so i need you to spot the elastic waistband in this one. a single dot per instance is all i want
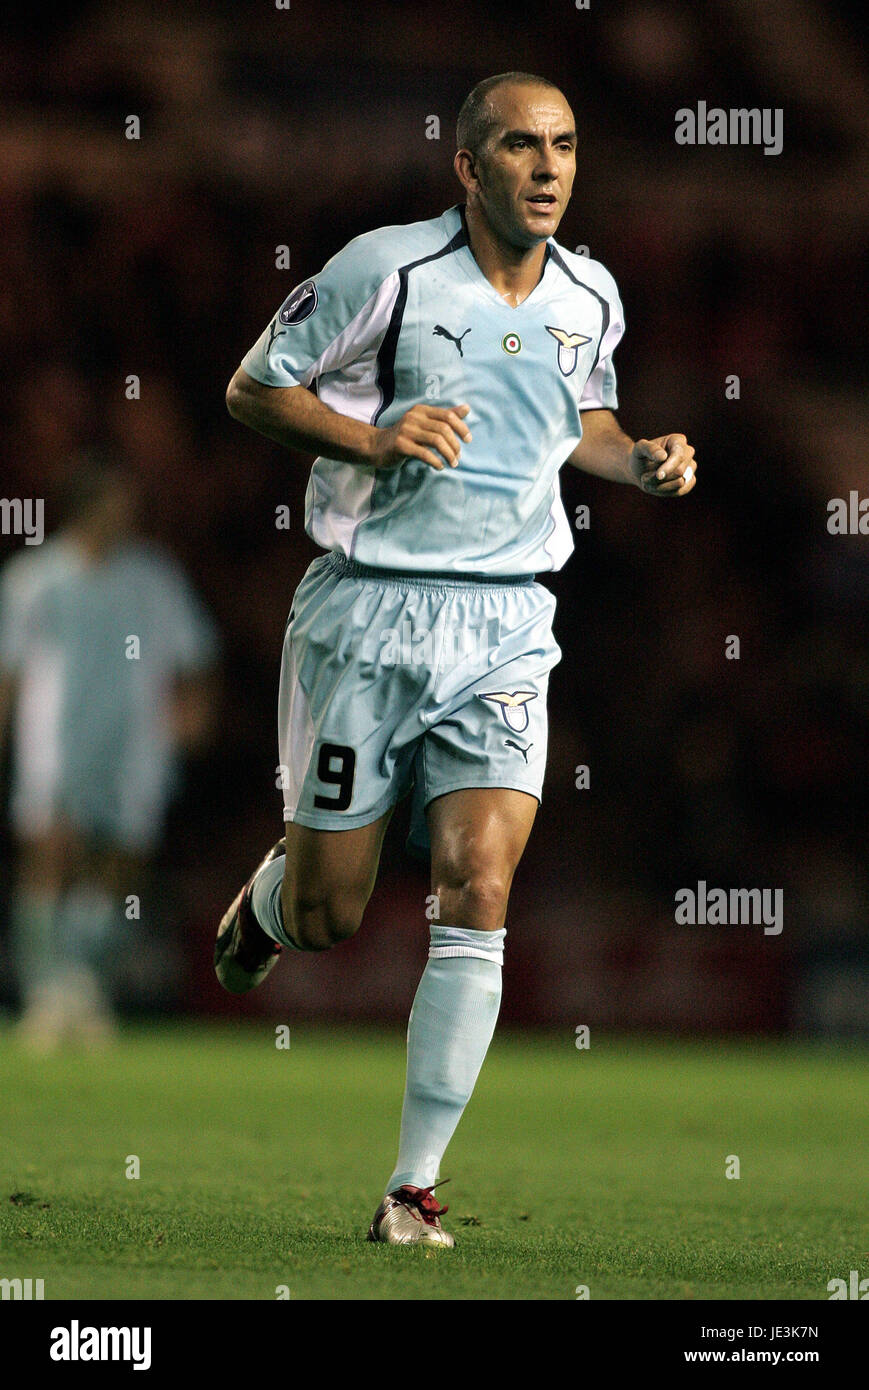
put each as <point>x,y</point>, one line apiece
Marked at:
<point>423,579</point>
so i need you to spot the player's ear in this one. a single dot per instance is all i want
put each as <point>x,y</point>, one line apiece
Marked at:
<point>466,169</point>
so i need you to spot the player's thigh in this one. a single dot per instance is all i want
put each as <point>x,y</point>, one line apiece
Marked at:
<point>324,866</point>
<point>478,836</point>
<point>350,712</point>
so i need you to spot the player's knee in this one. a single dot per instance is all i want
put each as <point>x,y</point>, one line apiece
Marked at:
<point>475,897</point>
<point>316,921</point>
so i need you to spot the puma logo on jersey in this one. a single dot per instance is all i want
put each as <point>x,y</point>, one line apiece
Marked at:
<point>568,348</point>
<point>508,743</point>
<point>440,332</point>
<point>513,706</point>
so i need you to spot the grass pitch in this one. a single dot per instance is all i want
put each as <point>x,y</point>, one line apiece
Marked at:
<point>261,1168</point>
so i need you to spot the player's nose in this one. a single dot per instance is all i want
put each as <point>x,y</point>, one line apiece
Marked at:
<point>546,166</point>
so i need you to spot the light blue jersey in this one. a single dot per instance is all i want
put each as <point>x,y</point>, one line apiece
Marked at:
<point>91,736</point>
<point>404,315</point>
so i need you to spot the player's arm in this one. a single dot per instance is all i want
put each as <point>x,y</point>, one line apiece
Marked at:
<point>664,467</point>
<point>328,323</point>
<point>193,710</point>
<point>295,417</point>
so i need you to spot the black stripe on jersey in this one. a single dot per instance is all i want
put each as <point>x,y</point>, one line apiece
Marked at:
<point>386,355</point>
<point>604,304</point>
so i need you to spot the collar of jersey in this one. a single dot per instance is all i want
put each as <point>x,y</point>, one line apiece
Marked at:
<point>469,265</point>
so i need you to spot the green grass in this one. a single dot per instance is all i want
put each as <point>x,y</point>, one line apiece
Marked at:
<point>262,1167</point>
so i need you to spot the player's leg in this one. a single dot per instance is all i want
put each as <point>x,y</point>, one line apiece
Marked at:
<point>46,863</point>
<point>43,871</point>
<point>312,894</point>
<point>346,746</point>
<point>479,775</point>
<point>477,837</point>
<point>328,879</point>
<point>308,893</point>
<point>92,929</point>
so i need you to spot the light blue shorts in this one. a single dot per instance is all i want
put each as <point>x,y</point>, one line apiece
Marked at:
<point>392,683</point>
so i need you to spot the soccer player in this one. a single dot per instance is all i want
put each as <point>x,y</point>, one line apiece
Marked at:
<point>106,667</point>
<point>443,371</point>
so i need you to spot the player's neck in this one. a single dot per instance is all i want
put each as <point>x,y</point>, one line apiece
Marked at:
<point>513,271</point>
<point>94,546</point>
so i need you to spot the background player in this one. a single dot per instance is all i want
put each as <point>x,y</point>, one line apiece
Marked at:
<point>97,723</point>
<point>436,518</point>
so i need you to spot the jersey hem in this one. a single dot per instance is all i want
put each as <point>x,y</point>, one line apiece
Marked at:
<point>325,820</point>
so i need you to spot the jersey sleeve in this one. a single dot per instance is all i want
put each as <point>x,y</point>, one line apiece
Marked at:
<point>330,320</point>
<point>600,391</point>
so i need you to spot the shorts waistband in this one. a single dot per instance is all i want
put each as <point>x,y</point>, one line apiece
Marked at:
<point>424,579</point>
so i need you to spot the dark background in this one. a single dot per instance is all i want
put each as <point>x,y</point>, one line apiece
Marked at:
<point>305,127</point>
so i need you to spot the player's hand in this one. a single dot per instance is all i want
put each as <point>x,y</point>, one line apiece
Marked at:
<point>664,467</point>
<point>428,432</point>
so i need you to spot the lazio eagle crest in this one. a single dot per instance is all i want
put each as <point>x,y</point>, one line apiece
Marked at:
<point>513,707</point>
<point>568,348</point>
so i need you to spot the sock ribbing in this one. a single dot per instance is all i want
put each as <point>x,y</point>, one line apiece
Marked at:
<point>447,942</point>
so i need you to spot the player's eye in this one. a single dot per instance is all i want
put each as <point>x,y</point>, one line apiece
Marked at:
<point>517,144</point>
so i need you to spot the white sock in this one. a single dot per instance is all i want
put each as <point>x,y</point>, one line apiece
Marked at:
<point>451,1025</point>
<point>265,901</point>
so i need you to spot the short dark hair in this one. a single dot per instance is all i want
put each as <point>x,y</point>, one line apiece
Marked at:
<point>477,120</point>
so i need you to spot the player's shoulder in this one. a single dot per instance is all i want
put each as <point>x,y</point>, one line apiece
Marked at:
<point>376,254</point>
<point>32,570</point>
<point>147,562</point>
<point>584,270</point>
